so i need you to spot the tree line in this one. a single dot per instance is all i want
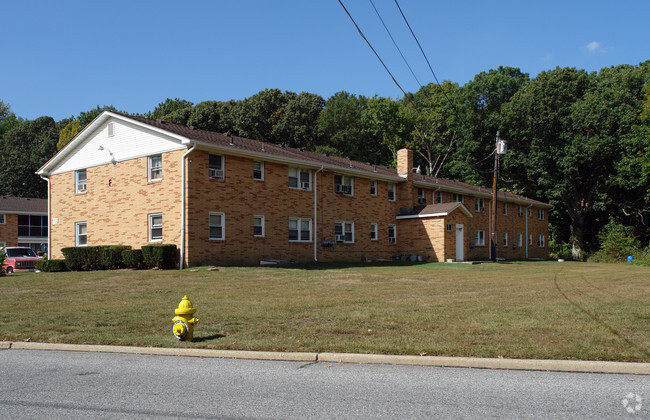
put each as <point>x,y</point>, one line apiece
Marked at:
<point>578,140</point>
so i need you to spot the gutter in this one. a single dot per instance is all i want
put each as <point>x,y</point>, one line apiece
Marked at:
<point>316,215</point>
<point>49,221</point>
<point>182,244</point>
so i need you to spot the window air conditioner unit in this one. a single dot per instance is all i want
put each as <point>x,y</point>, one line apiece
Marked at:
<point>304,185</point>
<point>216,173</point>
<point>82,187</point>
<point>339,238</point>
<point>342,189</point>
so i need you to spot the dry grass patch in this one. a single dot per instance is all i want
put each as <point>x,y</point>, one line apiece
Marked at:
<point>518,310</point>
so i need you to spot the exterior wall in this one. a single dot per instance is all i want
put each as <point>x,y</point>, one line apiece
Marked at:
<point>9,230</point>
<point>116,205</point>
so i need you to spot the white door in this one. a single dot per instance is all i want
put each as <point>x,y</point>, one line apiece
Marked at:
<point>460,244</point>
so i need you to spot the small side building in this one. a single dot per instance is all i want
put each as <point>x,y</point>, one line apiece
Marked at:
<point>23,222</point>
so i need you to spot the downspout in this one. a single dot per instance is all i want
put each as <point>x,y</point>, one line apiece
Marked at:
<point>316,215</point>
<point>526,238</point>
<point>182,247</point>
<point>49,219</point>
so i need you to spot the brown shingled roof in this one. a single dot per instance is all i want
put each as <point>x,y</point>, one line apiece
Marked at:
<point>23,205</point>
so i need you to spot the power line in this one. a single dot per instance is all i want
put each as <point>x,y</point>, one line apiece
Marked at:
<point>395,43</point>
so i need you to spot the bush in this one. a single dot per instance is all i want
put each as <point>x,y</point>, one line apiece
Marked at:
<point>163,256</point>
<point>3,257</point>
<point>112,256</point>
<point>557,250</point>
<point>84,258</point>
<point>132,258</point>
<point>51,266</point>
<point>616,243</point>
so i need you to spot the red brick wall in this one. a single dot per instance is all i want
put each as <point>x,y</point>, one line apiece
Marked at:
<point>9,230</point>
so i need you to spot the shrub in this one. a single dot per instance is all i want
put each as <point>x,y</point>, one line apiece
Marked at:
<point>616,243</point>
<point>3,257</point>
<point>84,258</point>
<point>51,265</point>
<point>112,256</point>
<point>132,258</point>
<point>163,256</point>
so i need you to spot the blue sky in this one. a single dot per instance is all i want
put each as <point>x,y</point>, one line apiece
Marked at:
<point>63,57</point>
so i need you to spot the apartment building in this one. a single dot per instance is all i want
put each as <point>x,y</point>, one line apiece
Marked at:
<point>230,200</point>
<point>23,222</point>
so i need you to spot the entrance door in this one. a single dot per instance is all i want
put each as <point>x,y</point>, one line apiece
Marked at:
<point>460,243</point>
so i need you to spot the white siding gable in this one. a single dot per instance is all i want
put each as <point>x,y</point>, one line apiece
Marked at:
<point>129,141</point>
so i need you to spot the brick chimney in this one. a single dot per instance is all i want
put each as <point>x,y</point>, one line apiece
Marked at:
<point>405,164</point>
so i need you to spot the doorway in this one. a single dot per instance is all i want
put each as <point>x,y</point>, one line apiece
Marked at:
<point>459,243</point>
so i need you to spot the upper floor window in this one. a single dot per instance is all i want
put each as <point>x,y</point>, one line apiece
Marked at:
<point>344,232</point>
<point>438,197</point>
<point>540,214</point>
<point>392,234</point>
<point>258,226</point>
<point>155,167</point>
<point>373,231</point>
<point>155,227</point>
<point>32,226</point>
<point>343,184</point>
<point>422,200</point>
<point>373,187</point>
<point>391,192</point>
<point>80,181</point>
<point>258,170</point>
<point>530,211</point>
<point>520,211</point>
<point>299,229</point>
<point>81,234</point>
<point>299,178</point>
<point>479,238</point>
<point>215,169</point>
<point>2,219</point>
<point>505,208</point>
<point>479,204</point>
<point>216,226</point>
<point>530,239</point>
<point>458,198</point>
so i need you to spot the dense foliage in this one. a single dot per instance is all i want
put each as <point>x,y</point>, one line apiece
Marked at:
<point>578,140</point>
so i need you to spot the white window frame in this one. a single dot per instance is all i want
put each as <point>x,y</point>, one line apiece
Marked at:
<point>111,129</point>
<point>505,208</point>
<point>216,171</point>
<point>479,204</point>
<point>373,231</point>
<point>422,198</point>
<point>540,214</point>
<point>81,187</point>
<point>221,224</point>
<point>439,198</point>
<point>3,219</point>
<point>391,189</point>
<point>301,184</point>
<point>520,211</point>
<point>479,238</point>
<point>530,211</point>
<point>520,242</point>
<point>343,184</point>
<point>505,238</point>
<point>392,239</point>
<point>259,217</point>
<point>541,241</point>
<point>300,221</point>
<point>450,227</point>
<point>151,227</point>
<point>78,235</point>
<point>373,187</point>
<point>530,239</point>
<point>346,234</point>
<point>456,196</point>
<point>151,170</point>
<point>260,170</point>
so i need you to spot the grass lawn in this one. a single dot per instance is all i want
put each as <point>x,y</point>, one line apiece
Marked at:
<point>544,310</point>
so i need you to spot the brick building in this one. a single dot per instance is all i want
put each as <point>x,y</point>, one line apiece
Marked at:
<point>23,222</point>
<point>230,200</point>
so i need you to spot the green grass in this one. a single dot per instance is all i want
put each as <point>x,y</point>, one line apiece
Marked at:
<point>517,310</point>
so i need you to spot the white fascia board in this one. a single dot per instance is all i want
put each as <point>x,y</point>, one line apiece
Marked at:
<point>291,161</point>
<point>422,216</point>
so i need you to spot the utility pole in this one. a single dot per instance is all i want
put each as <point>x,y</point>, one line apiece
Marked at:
<point>501,148</point>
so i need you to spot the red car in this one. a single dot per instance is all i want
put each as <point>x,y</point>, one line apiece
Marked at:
<point>19,258</point>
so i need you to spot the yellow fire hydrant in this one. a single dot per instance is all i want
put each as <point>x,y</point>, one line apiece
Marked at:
<point>183,327</point>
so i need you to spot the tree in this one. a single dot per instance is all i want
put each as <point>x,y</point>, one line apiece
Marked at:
<point>387,120</point>
<point>8,119</point>
<point>298,121</point>
<point>23,150</point>
<point>68,133</point>
<point>167,107</point>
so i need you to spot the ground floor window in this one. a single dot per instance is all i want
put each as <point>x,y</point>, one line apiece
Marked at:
<point>217,222</point>
<point>258,226</point>
<point>505,238</point>
<point>520,242</point>
<point>344,232</point>
<point>541,241</point>
<point>299,229</point>
<point>373,231</point>
<point>479,238</point>
<point>155,227</point>
<point>392,234</point>
<point>81,234</point>
<point>35,246</point>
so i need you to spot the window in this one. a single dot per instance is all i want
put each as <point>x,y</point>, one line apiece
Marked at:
<point>258,170</point>
<point>373,231</point>
<point>450,227</point>
<point>344,232</point>
<point>373,187</point>
<point>81,234</point>
<point>155,227</point>
<point>3,244</point>
<point>155,167</point>
<point>32,226</point>
<point>299,229</point>
<point>343,184</point>
<point>439,194</point>
<point>217,226</point>
<point>479,238</point>
<point>3,220</point>
<point>215,167</point>
<point>479,204</point>
<point>458,198</point>
<point>111,129</point>
<point>392,234</point>
<point>520,241</point>
<point>391,192</point>
<point>530,211</point>
<point>540,214</point>
<point>505,208</point>
<point>258,226</point>
<point>299,178</point>
<point>80,182</point>
<point>422,200</point>
<point>541,241</point>
<point>520,211</point>
<point>505,238</point>
<point>530,239</point>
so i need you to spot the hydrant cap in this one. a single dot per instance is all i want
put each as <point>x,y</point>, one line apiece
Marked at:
<point>185,307</point>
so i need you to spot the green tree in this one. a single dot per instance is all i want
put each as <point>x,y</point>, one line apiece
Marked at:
<point>387,120</point>
<point>167,107</point>
<point>68,133</point>
<point>298,121</point>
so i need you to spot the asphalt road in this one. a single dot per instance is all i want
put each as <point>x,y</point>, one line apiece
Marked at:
<point>75,385</point>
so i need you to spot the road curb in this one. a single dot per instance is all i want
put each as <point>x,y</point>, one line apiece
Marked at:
<point>585,366</point>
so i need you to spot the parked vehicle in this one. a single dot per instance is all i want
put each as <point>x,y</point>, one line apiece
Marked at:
<point>19,258</point>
